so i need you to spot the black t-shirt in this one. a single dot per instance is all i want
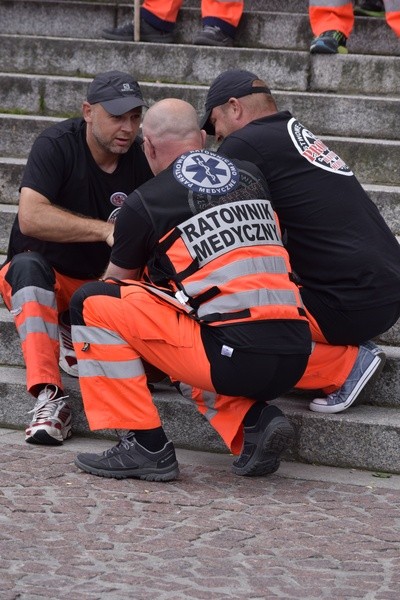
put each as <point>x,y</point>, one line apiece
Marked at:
<point>339,245</point>
<point>137,232</point>
<point>60,166</point>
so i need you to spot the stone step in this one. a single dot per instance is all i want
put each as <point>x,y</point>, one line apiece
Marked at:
<point>387,198</point>
<point>283,69</point>
<point>385,393</point>
<point>18,132</point>
<point>342,114</point>
<point>263,25</point>
<point>364,437</point>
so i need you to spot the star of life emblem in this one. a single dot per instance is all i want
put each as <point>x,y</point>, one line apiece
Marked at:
<point>205,172</point>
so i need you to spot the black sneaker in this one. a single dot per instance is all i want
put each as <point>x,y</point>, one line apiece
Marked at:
<point>329,42</point>
<point>370,8</point>
<point>148,33</point>
<point>129,459</point>
<point>264,444</point>
<point>212,36</point>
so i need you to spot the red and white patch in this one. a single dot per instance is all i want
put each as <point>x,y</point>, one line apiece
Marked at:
<point>315,151</point>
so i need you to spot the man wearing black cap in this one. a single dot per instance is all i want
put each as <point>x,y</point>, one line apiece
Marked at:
<point>345,257</point>
<point>78,174</point>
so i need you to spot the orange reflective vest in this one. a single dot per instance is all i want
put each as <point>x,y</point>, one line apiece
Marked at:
<point>227,264</point>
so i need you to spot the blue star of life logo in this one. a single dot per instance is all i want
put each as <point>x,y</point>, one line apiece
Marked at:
<point>206,172</point>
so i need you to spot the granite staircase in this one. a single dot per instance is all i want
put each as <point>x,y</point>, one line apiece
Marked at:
<point>50,50</point>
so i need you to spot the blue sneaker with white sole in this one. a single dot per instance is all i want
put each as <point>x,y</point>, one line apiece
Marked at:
<point>368,366</point>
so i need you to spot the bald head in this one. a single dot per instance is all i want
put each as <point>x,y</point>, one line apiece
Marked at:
<point>170,128</point>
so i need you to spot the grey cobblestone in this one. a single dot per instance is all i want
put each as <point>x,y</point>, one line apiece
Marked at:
<point>306,532</point>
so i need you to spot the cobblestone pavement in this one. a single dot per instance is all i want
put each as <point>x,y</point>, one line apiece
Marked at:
<point>306,532</point>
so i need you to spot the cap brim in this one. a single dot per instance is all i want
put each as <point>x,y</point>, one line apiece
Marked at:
<point>205,123</point>
<point>119,106</point>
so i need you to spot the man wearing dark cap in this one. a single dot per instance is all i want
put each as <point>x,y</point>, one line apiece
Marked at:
<point>77,176</point>
<point>344,255</point>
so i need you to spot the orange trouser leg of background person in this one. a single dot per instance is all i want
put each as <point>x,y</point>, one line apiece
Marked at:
<point>230,12</point>
<point>113,334</point>
<point>35,295</point>
<point>167,10</point>
<point>392,13</point>
<point>331,15</point>
<point>328,366</point>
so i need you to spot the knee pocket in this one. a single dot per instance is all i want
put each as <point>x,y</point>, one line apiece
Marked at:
<point>30,269</point>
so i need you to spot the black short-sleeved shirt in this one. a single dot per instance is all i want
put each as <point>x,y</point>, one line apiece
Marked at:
<point>61,168</point>
<point>138,231</point>
<point>339,245</point>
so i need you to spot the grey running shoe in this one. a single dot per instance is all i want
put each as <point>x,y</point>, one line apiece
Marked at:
<point>129,459</point>
<point>264,443</point>
<point>51,422</point>
<point>148,33</point>
<point>67,360</point>
<point>212,36</point>
<point>329,42</point>
<point>369,364</point>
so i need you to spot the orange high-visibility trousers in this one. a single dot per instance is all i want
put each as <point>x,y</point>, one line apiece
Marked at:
<point>35,308</point>
<point>118,332</point>
<point>167,10</point>
<point>339,15</point>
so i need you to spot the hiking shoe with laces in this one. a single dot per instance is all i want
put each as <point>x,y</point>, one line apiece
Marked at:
<point>129,459</point>
<point>148,33</point>
<point>370,8</point>
<point>329,42</point>
<point>212,36</point>
<point>51,422</point>
<point>264,443</point>
<point>67,360</point>
<point>369,364</point>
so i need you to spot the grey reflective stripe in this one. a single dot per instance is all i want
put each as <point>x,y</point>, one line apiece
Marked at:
<point>329,3</point>
<point>95,335</point>
<point>392,5</point>
<point>118,369</point>
<point>122,369</point>
<point>33,294</point>
<point>248,299</point>
<point>209,399</point>
<point>239,268</point>
<point>228,1</point>
<point>37,325</point>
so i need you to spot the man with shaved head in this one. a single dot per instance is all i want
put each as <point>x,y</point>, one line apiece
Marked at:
<point>198,285</point>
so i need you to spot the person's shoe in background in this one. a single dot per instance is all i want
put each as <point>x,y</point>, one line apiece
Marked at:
<point>370,8</point>
<point>148,33</point>
<point>212,35</point>
<point>329,42</point>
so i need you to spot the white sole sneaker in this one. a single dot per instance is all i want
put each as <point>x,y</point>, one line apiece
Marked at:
<point>375,368</point>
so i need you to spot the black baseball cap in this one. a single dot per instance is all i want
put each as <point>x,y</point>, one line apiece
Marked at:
<point>234,83</point>
<point>117,92</point>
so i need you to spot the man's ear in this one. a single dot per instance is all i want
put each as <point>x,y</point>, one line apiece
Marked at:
<point>87,111</point>
<point>203,134</point>
<point>149,148</point>
<point>236,108</point>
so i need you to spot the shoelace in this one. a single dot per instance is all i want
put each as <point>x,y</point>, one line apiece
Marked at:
<point>42,410</point>
<point>123,441</point>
